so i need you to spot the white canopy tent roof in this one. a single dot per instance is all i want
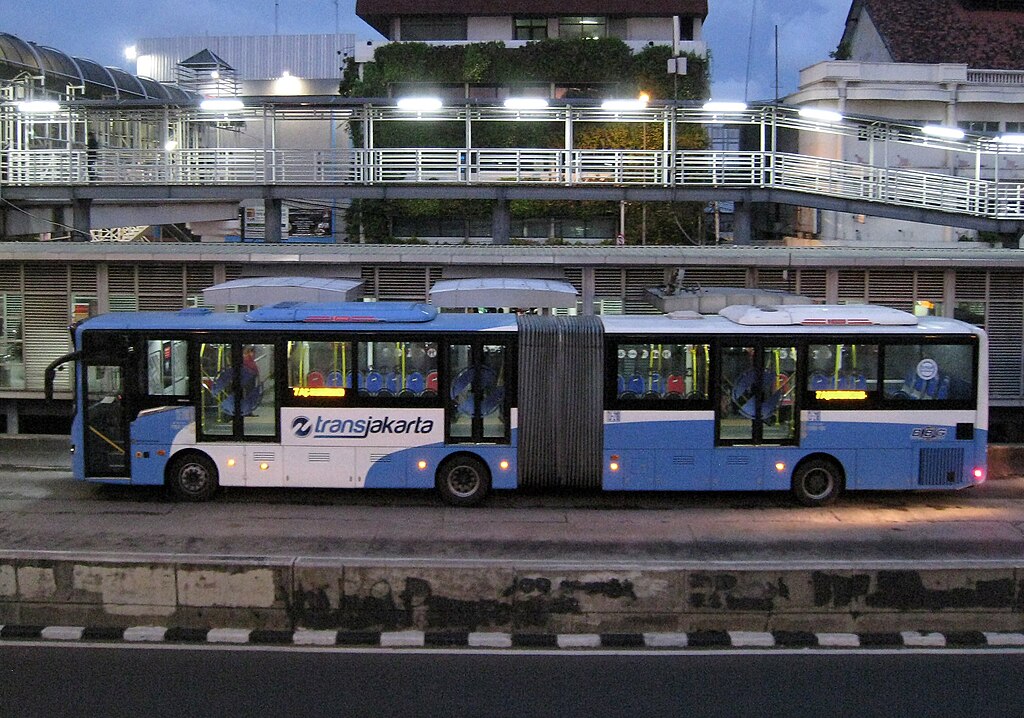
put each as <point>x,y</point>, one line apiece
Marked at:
<point>502,292</point>
<point>270,290</point>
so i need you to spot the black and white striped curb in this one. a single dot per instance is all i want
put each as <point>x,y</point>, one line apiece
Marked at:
<point>495,640</point>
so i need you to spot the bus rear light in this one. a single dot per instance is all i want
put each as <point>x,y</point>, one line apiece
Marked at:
<point>421,464</point>
<point>979,474</point>
<point>503,464</point>
<point>614,464</point>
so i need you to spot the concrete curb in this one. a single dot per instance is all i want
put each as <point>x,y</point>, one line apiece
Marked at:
<point>404,602</point>
<point>707,639</point>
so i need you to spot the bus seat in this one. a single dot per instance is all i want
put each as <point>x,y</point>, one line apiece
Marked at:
<point>432,382</point>
<point>374,382</point>
<point>657,384</point>
<point>943,390</point>
<point>675,384</point>
<point>620,385</point>
<point>820,381</point>
<point>392,383</point>
<point>636,385</point>
<point>315,378</point>
<point>415,382</point>
<point>336,378</point>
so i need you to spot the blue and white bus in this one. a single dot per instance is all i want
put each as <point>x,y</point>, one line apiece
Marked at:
<point>811,399</point>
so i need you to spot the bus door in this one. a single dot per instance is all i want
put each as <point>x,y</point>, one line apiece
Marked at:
<point>757,395</point>
<point>105,420</point>
<point>477,406</point>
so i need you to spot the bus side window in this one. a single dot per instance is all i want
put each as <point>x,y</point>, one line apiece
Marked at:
<point>671,372</point>
<point>835,370</point>
<point>397,368</point>
<point>167,367</point>
<point>929,372</point>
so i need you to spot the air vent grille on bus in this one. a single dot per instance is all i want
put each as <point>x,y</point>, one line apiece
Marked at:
<point>940,467</point>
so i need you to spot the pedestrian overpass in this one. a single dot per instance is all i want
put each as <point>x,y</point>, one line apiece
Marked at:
<point>783,155</point>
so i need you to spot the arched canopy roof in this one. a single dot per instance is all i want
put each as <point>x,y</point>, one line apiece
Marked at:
<point>18,57</point>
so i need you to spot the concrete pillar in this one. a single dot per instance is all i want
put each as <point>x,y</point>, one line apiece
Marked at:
<point>81,219</point>
<point>587,290</point>
<point>741,224</point>
<point>271,220</point>
<point>501,222</point>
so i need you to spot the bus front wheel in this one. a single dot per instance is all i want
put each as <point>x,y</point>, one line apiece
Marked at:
<point>463,481</point>
<point>192,477</point>
<point>817,482</point>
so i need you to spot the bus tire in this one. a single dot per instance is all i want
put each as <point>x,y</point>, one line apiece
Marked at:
<point>817,482</point>
<point>463,480</point>
<point>192,477</point>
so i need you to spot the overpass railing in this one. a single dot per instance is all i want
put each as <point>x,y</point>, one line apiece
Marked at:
<point>645,168</point>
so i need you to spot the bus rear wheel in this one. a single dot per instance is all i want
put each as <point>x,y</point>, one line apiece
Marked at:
<point>463,481</point>
<point>817,482</point>
<point>192,477</point>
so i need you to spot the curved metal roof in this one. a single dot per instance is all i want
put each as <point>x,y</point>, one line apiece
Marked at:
<point>18,56</point>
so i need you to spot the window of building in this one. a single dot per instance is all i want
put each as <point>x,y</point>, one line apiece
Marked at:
<point>531,28</point>
<point>582,27</point>
<point>593,228</point>
<point>978,126</point>
<point>970,312</point>
<point>426,28</point>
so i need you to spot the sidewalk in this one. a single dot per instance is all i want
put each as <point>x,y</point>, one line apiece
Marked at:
<point>35,451</point>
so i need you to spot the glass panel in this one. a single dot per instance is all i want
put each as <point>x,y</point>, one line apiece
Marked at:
<point>105,442</point>
<point>778,380</point>
<point>397,368</point>
<point>12,363</point>
<point>662,371</point>
<point>970,312</point>
<point>929,372</point>
<point>257,405</point>
<point>842,367</point>
<point>582,27</point>
<point>167,367</point>
<point>319,365</point>
<point>737,394</point>
<point>463,405</point>
<point>491,388</point>
<point>217,396</point>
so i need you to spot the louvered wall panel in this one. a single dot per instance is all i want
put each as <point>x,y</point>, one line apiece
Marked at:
<point>930,284</point>
<point>10,277</point>
<point>161,286</point>
<point>46,336</point>
<point>638,281</point>
<point>811,282</point>
<point>574,276</point>
<point>715,276</point>
<point>197,278</point>
<point>775,279</point>
<point>232,271</point>
<point>83,279</point>
<point>608,282</point>
<point>369,277</point>
<point>1005,340</point>
<point>889,288</point>
<point>971,285</point>
<point>852,284</point>
<point>409,283</point>
<point>1005,285</point>
<point>121,279</point>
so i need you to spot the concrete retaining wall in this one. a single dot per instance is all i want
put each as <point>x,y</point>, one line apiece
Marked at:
<point>289,594</point>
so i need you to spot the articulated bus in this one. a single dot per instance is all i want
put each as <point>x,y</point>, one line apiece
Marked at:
<point>810,399</point>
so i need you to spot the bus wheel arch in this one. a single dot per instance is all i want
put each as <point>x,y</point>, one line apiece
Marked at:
<point>192,476</point>
<point>818,480</point>
<point>463,479</point>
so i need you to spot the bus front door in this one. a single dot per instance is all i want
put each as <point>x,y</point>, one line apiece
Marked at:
<point>105,421</point>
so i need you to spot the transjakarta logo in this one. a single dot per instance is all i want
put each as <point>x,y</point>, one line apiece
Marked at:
<point>321,428</point>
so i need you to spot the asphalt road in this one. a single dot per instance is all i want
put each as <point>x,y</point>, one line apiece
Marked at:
<point>54,681</point>
<point>45,510</point>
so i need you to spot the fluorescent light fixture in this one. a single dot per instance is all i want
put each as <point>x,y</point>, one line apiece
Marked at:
<point>724,106</point>
<point>623,105</point>
<point>945,133</point>
<point>526,103</point>
<point>221,104</point>
<point>288,84</point>
<point>170,145</point>
<point>819,115</point>
<point>38,106</point>
<point>1011,139</point>
<point>420,104</point>
<point>131,52</point>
